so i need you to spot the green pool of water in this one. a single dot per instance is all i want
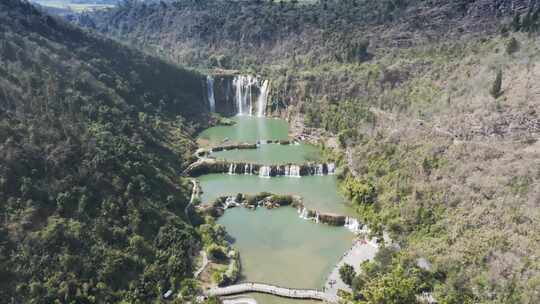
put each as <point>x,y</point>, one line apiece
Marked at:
<point>273,154</point>
<point>247,129</point>
<point>269,299</point>
<point>277,247</point>
<point>318,192</point>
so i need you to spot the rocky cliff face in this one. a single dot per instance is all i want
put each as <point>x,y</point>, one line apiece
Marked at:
<point>224,94</point>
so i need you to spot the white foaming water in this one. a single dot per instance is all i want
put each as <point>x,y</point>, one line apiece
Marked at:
<point>243,85</point>
<point>232,169</point>
<point>210,90</point>
<point>352,224</point>
<point>303,213</point>
<point>319,170</point>
<point>264,171</point>
<point>331,168</point>
<point>248,169</point>
<point>292,171</point>
<point>262,101</point>
<point>230,202</point>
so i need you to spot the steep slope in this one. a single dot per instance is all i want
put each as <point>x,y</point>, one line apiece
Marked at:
<point>437,151</point>
<point>248,33</point>
<point>92,141</point>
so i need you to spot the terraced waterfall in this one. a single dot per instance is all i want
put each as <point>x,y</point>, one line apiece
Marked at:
<point>295,247</point>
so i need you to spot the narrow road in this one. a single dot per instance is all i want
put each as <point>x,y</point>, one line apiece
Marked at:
<point>273,290</point>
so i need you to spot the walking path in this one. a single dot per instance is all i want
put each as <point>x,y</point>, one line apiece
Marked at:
<point>361,251</point>
<point>239,300</point>
<point>203,266</point>
<point>273,290</point>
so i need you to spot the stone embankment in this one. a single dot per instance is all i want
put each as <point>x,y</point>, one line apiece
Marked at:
<point>208,166</point>
<point>272,201</point>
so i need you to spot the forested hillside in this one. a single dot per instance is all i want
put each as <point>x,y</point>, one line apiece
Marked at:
<point>435,105</point>
<point>92,141</point>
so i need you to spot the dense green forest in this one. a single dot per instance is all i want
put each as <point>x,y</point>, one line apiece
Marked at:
<point>434,109</point>
<point>93,137</point>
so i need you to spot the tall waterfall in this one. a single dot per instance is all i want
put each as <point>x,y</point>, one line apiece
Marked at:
<point>210,90</point>
<point>244,86</point>
<point>263,99</point>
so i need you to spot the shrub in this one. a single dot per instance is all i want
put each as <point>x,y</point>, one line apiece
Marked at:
<point>497,85</point>
<point>347,274</point>
<point>216,253</point>
<point>512,46</point>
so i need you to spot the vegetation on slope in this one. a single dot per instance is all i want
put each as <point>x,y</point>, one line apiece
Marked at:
<point>437,117</point>
<point>92,141</point>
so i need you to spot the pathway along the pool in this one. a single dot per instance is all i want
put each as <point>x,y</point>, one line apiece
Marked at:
<point>275,246</point>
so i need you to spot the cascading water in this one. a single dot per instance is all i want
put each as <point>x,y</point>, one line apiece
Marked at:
<point>210,90</point>
<point>232,169</point>
<point>262,100</point>
<point>243,86</point>
<point>304,213</point>
<point>264,171</point>
<point>248,169</point>
<point>352,224</point>
<point>230,202</point>
<point>331,168</point>
<point>294,171</point>
<point>319,170</point>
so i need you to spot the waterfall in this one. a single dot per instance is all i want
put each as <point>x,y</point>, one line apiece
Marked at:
<point>304,213</point>
<point>210,90</point>
<point>232,169</point>
<point>352,224</point>
<point>230,202</point>
<point>331,168</point>
<point>248,169</point>
<point>263,99</point>
<point>294,171</point>
<point>243,85</point>
<point>319,170</point>
<point>264,171</point>
<point>317,217</point>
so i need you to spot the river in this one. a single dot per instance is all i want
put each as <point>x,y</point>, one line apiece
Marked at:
<point>277,246</point>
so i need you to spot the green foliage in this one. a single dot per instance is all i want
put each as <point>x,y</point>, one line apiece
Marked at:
<point>512,46</point>
<point>359,191</point>
<point>216,253</point>
<point>92,140</point>
<point>396,287</point>
<point>190,288</point>
<point>495,90</point>
<point>347,274</point>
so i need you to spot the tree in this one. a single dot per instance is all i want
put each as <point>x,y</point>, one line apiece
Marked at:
<point>396,287</point>
<point>216,253</point>
<point>512,46</point>
<point>347,274</point>
<point>497,84</point>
